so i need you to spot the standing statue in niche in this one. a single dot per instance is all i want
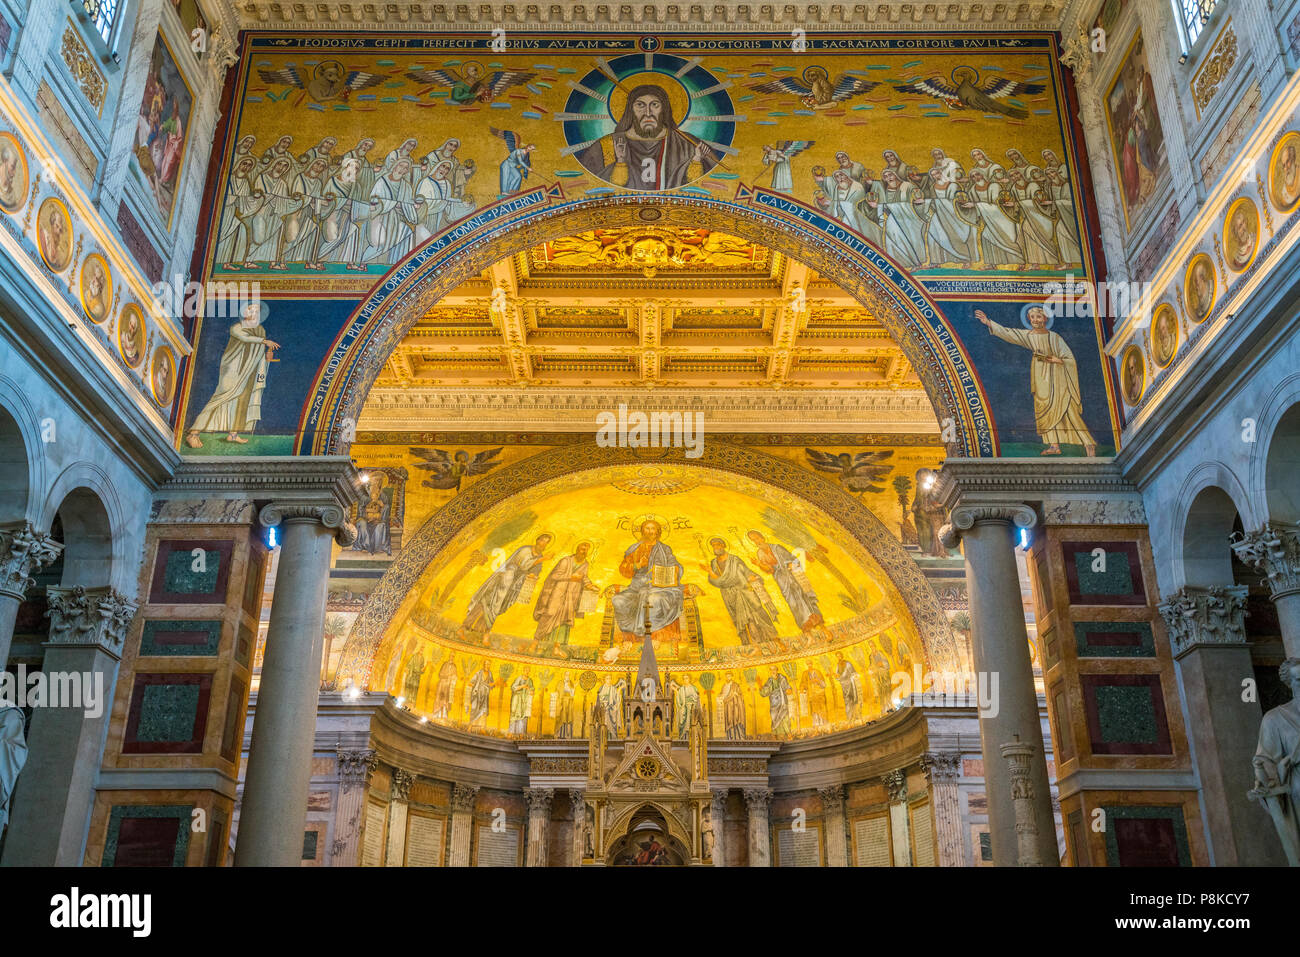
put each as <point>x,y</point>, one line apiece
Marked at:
<point>13,755</point>
<point>1277,781</point>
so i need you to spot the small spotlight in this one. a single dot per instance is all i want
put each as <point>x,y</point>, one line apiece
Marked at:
<point>1183,58</point>
<point>401,700</point>
<point>365,478</point>
<point>1023,539</point>
<point>424,719</point>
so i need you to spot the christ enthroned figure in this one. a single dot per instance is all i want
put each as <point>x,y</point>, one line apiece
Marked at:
<point>647,150</point>
<point>1053,379</point>
<point>648,562</point>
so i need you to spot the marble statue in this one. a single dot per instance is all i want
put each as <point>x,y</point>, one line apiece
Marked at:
<point>1277,784</point>
<point>13,755</point>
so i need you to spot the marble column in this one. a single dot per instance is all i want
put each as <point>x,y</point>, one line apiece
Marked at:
<point>354,770</point>
<point>399,796</point>
<point>276,785</point>
<point>23,550</point>
<point>1000,646</point>
<point>837,837</point>
<point>900,837</point>
<point>1207,634</point>
<point>55,791</point>
<point>1274,551</point>
<point>578,813</point>
<point>1018,757</point>
<point>942,769</point>
<point>718,818</point>
<point>760,836</point>
<point>462,823</point>
<point>539,825</point>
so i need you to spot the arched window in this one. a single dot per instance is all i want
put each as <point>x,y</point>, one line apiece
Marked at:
<point>1192,17</point>
<point>103,15</point>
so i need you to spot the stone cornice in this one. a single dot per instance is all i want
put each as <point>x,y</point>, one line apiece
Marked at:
<point>729,16</point>
<point>1053,485</point>
<point>324,479</point>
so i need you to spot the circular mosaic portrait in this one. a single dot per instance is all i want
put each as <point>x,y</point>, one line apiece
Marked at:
<point>1133,375</point>
<point>96,287</point>
<point>1241,234</point>
<point>1284,174</point>
<point>130,335</point>
<point>1200,288</point>
<point>13,174</point>
<point>54,234</point>
<point>162,375</point>
<point>1164,336</point>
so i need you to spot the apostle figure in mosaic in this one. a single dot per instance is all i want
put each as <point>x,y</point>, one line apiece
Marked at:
<point>610,699</point>
<point>1053,381</point>
<point>558,601</point>
<point>564,709</point>
<point>686,702</point>
<point>414,671</point>
<point>850,686</point>
<point>446,689</point>
<point>732,700</point>
<point>751,611</point>
<point>480,690</point>
<point>777,692</point>
<point>504,585</point>
<point>786,570</point>
<point>521,702</point>
<point>394,213</point>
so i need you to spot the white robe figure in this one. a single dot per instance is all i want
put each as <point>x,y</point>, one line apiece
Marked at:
<point>610,697</point>
<point>265,240</point>
<point>478,697</point>
<point>951,238</point>
<point>521,704</point>
<point>782,177</point>
<point>502,587</point>
<point>393,217</point>
<point>902,224</point>
<point>301,227</point>
<point>1000,237</point>
<point>236,405</point>
<point>340,224</point>
<point>845,195</point>
<point>1054,382</point>
<point>441,207</point>
<point>851,688</point>
<point>1038,229</point>
<point>239,206</point>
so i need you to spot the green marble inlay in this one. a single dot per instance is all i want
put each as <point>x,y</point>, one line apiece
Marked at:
<point>1117,579</point>
<point>1126,714</point>
<point>180,578</point>
<point>986,846</point>
<point>1144,648</point>
<point>182,811</point>
<point>202,638</point>
<point>1119,813</point>
<point>309,845</point>
<point>167,713</point>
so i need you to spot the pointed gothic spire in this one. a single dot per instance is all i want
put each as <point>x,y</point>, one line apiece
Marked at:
<point>649,668</point>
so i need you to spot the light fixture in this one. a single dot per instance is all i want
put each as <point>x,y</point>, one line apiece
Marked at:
<point>401,700</point>
<point>365,478</point>
<point>1183,58</point>
<point>271,539</point>
<point>1023,539</point>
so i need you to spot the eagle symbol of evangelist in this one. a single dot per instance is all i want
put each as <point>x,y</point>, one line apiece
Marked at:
<point>649,122</point>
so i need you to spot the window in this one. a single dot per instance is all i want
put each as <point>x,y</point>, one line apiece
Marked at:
<point>1194,14</point>
<point>103,14</point>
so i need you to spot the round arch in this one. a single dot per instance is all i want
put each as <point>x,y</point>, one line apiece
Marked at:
<point>398,589</point>
<point>22,466</point>
<point>467,248</point>
<point>1211,499</point>
<point>94,548</point>
<point>622,830</point>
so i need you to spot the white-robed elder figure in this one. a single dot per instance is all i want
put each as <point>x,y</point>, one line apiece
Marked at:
<point>656,577</point>
<point>901,215</point>
<point>236,404</point>
<point>1053,380</point>
<point>503,586</point>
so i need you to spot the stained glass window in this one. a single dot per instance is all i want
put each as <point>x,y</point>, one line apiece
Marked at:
<point>1195,14</point>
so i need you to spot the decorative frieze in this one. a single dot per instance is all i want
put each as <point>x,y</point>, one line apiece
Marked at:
<point>1214,70</point>
<point>1273,550</point>
<point>1199,615</point>
<point>23,550</point>
<point>89,616</point>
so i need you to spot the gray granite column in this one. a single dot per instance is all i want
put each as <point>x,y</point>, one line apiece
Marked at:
<point>23,550</point>
<point>1207,634</point>
<point>462,824</point>
<point>276,785</point>
<point>1000,645</point>
<point>760,836</point>
<point>718,819</point>
<point>837,837</point>
<point>1274,551</point>
<point>539,825</point>
<point>52,802</point>
<point>942,769</point>
<point>354,770</point>
<point>399,796</point>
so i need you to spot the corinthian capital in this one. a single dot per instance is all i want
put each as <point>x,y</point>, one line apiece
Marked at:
<point>941,766</point>
<point>462,796</point>
<point>1273,550</point>
<point>332,517</point>
<point>354,766</point>
<point>89,616</point>
<point>1198,615</point>
<point>23,549</point>
<point>757,799</point>
<point>965,517</point>
<point>539,799</point>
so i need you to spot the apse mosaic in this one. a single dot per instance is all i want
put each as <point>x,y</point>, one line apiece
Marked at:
<point>759,606</point>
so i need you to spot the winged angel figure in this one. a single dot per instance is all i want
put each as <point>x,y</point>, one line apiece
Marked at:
<point>471,83</point>
<point>859,473</point>
<point>446,469</point>
<point>817,92</point>
<point>330,80</point>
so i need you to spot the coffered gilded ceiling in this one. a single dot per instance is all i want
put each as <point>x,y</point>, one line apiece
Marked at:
<point>658,317</point>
